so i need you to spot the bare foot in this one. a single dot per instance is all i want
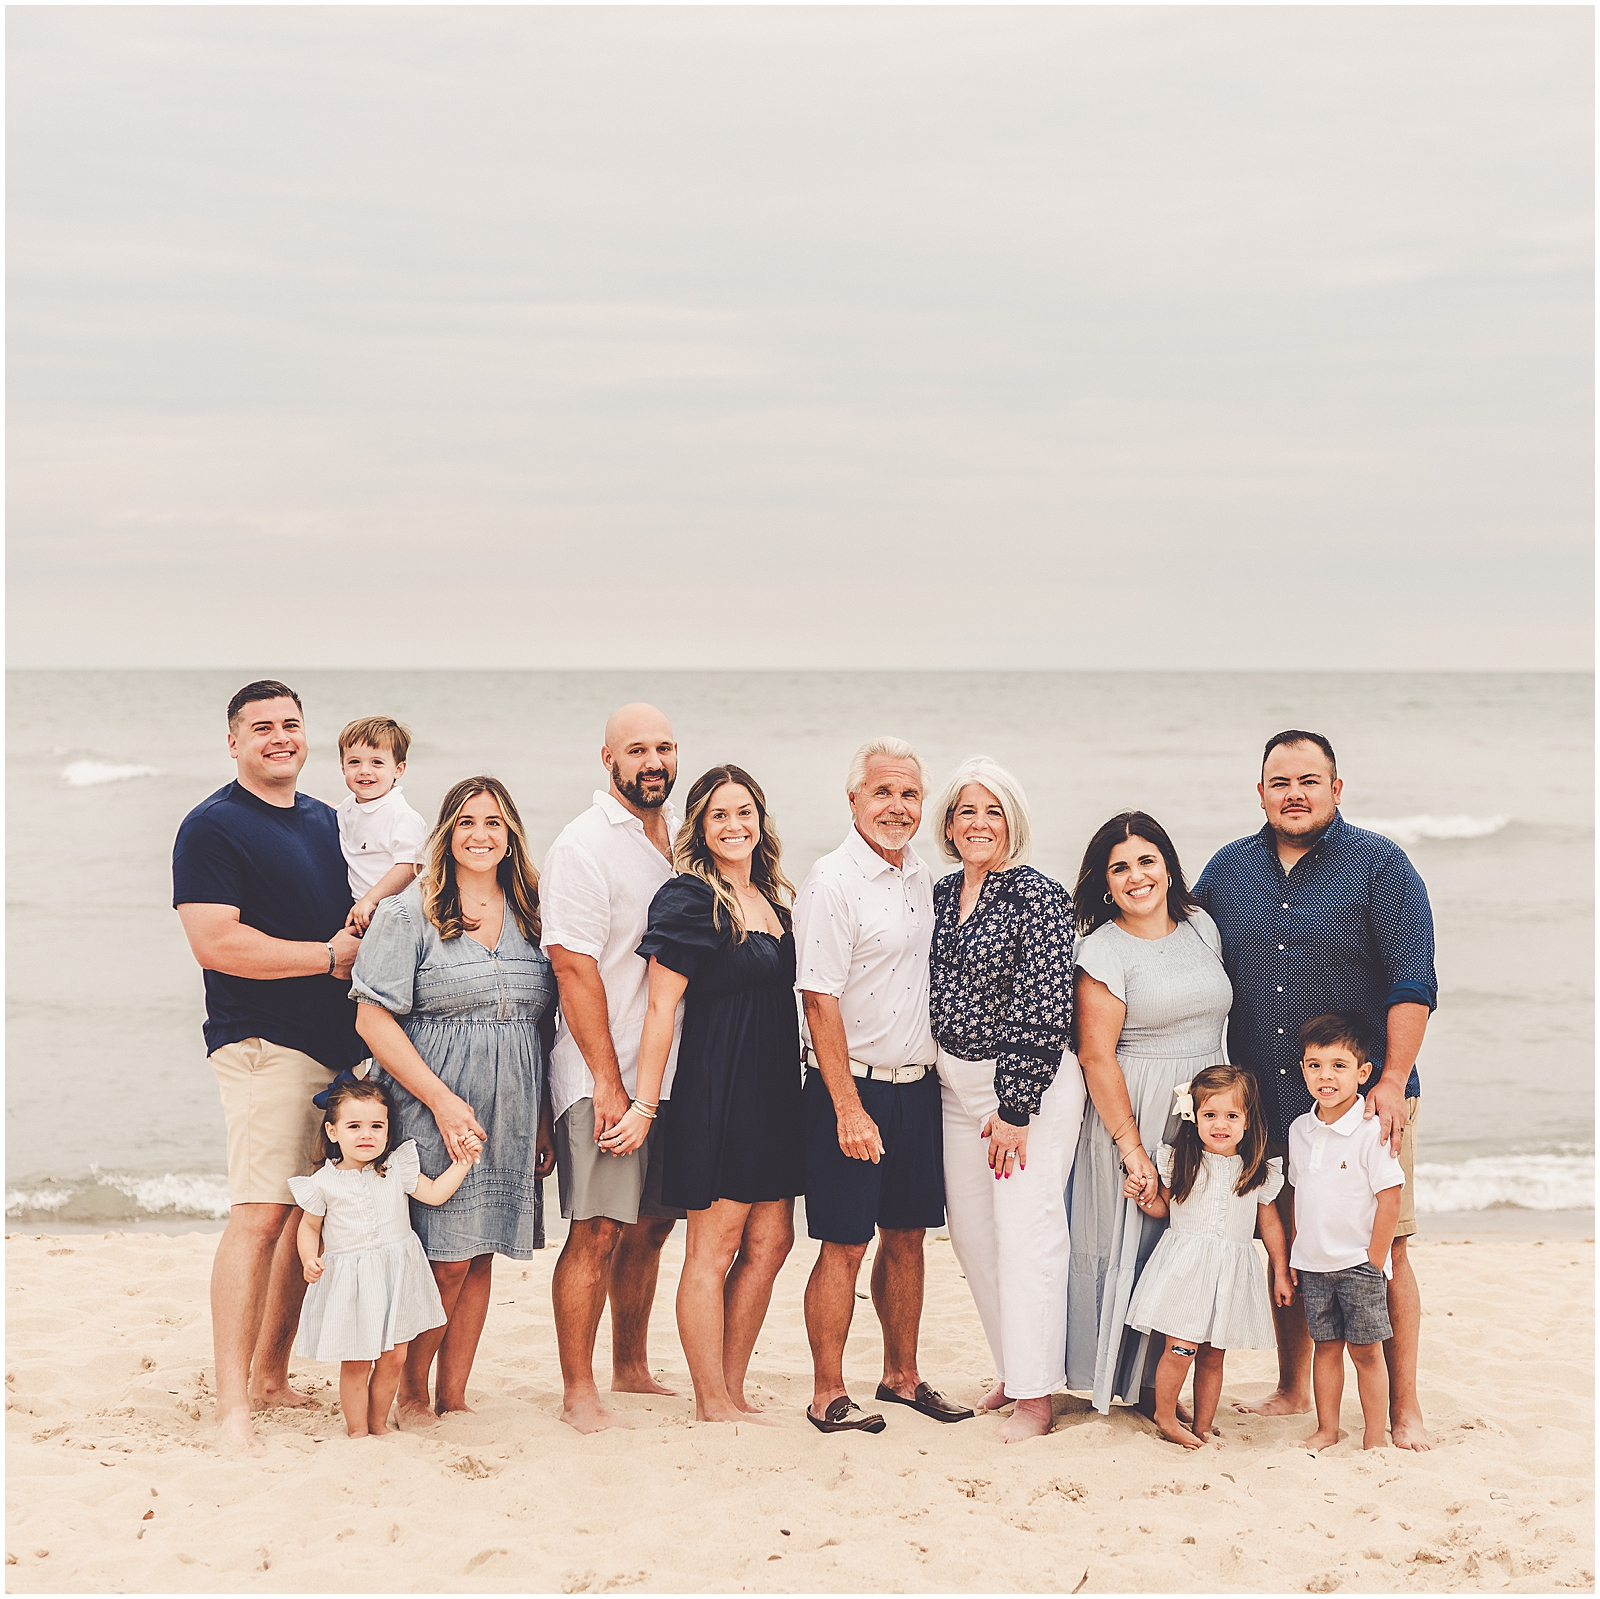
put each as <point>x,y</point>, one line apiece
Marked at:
<point>1322,1439</point>
<point>272,1396</point>
<point>1147,1407</point>
<point>638,1382</point>
<point>995,1399</point>
<point>461,1408</point>
<point>1175,1432</point>
<point>1409,1433</point>
<point>415,1418</point>
<point>734,1414</point>
<point>744,1407</point>
<point>587,1415</point>
<point>1031,1419</point>
<point>1278,1403</point>
<point>235,1435</point>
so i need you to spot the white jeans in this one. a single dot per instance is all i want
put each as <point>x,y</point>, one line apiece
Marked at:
<point>1010,1236</point>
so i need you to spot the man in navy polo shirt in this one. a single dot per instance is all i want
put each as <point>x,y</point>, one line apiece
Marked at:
<point>259,882</point>
<point>1318,916</point>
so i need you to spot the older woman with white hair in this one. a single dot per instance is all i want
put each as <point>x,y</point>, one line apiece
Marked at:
<point>1013,1096</point>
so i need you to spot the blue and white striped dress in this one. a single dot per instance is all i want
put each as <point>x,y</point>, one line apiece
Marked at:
<point>1204,1282</point>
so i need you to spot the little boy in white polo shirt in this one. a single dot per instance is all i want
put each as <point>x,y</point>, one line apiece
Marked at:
<point>380,835</point>
<point>1346,1205</point>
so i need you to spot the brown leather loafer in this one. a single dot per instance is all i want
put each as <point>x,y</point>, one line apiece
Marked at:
<point>837,1418</point>
<point>926,1400</point>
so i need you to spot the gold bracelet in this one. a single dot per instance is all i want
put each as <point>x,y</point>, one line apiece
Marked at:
<point>648,1112</point>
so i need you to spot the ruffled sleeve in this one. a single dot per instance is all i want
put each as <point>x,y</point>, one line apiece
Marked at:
<point>1164,1165</point>
<point>386,966</point>
<point>404,1164</point>
<point>308,1194</point>
<point>1099,956</point>
<point>1273,1186</point>
<point>680,933</point>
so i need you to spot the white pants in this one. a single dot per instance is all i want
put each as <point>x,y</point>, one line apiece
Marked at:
<point>1010,1236</point>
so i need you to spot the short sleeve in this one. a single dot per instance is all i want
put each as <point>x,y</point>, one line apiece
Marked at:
<point>1383,1170</point>
<point>308,1194</point>
<point>1207,929</point>
<point>1273,1186</point>
<point>824,936</point>
<point>1164,1153</point>
<point>1101,959</point>
<point>574,903</point>
<point>404,1164</point>
<point>410,834</point>
<point>386,966</point>
<point>680,933</point>
<point>206,865</point>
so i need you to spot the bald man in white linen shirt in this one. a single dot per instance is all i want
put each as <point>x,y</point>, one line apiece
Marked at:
<point>874,1123</point>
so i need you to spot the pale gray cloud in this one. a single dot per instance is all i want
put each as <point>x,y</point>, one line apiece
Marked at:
<point>1013,337</point>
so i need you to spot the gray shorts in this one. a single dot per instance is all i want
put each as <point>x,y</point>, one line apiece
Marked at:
<point>592,1183</point>
<point>1349,1306</point>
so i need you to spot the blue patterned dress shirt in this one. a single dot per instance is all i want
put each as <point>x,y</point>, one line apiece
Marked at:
<point>1348,929</point>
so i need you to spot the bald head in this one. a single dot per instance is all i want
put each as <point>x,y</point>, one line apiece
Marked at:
<point>641,755</point>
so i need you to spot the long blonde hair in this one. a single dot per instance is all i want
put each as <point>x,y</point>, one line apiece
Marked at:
<point>517,875</point>
<point>691,855</point>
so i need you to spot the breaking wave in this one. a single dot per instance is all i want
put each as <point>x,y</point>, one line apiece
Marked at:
<point>90,774</point>
<point>1411,829</point>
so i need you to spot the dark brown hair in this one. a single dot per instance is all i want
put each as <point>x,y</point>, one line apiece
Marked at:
<point>1338,1028</point>
<point>1186,1149</point>
<point>692,856</point>
<point>267,688</point>
<point>517,875</point>
<point>356,1088</point>
<point>1298,735</point>
<point>1090,894</point>
<point>377,733</point>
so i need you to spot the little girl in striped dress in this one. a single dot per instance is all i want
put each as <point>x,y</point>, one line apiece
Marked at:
<point>1202,1292</point>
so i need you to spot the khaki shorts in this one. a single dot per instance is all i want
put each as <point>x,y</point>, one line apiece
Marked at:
<point>593,1184</point>
<point>1407,1224</point>
<point>274,1131</point>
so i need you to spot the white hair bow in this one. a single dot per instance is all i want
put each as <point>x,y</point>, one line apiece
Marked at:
<point>1183,1102</point>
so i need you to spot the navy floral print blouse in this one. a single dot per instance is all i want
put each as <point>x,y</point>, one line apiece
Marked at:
<point>1002,982</point>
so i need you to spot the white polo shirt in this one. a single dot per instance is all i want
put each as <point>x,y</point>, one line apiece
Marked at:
<point>378,835</point>
<point>863,930</point>
<point>594,899</point>
<point>1338,1170</point>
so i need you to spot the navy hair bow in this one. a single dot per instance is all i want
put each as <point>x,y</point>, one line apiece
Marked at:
<point>358,1075</point>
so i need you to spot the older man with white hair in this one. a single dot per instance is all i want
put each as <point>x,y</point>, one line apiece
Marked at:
<point>863,924</point>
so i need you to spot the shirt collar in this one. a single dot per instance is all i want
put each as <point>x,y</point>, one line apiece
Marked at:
<point>367,807</point>
<point>619,815</point>
<point>873,864</point>
<point>1350,1121</point>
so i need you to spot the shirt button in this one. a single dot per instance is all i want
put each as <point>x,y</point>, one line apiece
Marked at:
<point>1280,946</point>
<point>1286,904</point>
<point>1280,1029</point>
<point>1283,1071</point>
<point>1280,988</point>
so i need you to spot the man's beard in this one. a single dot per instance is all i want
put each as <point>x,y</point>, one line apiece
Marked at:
<point>636,794</point>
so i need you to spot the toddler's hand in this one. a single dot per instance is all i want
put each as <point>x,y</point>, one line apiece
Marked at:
<point>1133,1188</point>
<point>313,1270</point>
<point>361,913</point>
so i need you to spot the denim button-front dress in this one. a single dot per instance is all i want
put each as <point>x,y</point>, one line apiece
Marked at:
<point>473,1015</point>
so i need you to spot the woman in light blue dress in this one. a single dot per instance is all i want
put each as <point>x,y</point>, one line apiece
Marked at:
<point>456,1002</point>
<point>1151,1010</point>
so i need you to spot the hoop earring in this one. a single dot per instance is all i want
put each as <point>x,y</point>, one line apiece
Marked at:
<point>1109,900</point>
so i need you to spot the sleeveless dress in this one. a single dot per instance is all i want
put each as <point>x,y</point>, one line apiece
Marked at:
<point>1204,1283</point>
<point>375,1290</point>
<point>473,1015</point>
<point>1178,997</point>
<point>735,1125</point>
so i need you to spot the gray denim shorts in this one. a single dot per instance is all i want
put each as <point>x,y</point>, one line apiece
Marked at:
<point>1349,1306</point>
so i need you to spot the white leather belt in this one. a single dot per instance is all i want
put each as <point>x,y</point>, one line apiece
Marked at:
<point>879,1074</point>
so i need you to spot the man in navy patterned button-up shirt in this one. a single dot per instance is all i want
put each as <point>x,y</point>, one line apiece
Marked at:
<point>1318,916</point>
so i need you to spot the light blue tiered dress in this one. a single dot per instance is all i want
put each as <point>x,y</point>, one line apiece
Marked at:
<point>1178,997</point>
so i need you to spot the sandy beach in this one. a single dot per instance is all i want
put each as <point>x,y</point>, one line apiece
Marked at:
<point>111,1486</point>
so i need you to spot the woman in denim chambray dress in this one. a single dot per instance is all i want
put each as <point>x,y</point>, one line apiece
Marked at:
<point>456,1002</point>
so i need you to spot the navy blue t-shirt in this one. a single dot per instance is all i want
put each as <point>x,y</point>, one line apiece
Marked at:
<point>285,872</point>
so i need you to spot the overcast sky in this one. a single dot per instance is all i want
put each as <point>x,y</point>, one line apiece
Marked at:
<point>1139,337</point>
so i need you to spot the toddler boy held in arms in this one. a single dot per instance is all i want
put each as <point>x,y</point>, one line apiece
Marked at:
<point>380,834</point>
<point>1346,1205</point>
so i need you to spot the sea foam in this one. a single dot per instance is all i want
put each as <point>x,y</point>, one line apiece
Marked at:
<point>1411,829</point>
<point>1512,1182</point>
<point>108,1196</point>
<point>90,774</point>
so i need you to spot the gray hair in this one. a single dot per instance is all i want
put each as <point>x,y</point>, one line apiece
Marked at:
<point>1005,788</point>
<point>892,749</point>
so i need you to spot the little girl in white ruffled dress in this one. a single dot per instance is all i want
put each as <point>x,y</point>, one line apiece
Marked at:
<point>372,1290</point>
<point>1202,1291</point>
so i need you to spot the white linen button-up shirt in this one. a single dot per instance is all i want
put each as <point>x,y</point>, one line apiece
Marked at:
<point>863,930</point>
<point>1338,1169</point>
<point>594,899</point>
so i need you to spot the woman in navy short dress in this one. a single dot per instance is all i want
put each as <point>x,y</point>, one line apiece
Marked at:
<point>720,939</point>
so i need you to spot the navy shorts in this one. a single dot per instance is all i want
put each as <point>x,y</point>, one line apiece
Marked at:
<point>846,1200</point>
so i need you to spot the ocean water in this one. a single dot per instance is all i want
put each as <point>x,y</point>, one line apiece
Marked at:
<point>112,1113</point>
